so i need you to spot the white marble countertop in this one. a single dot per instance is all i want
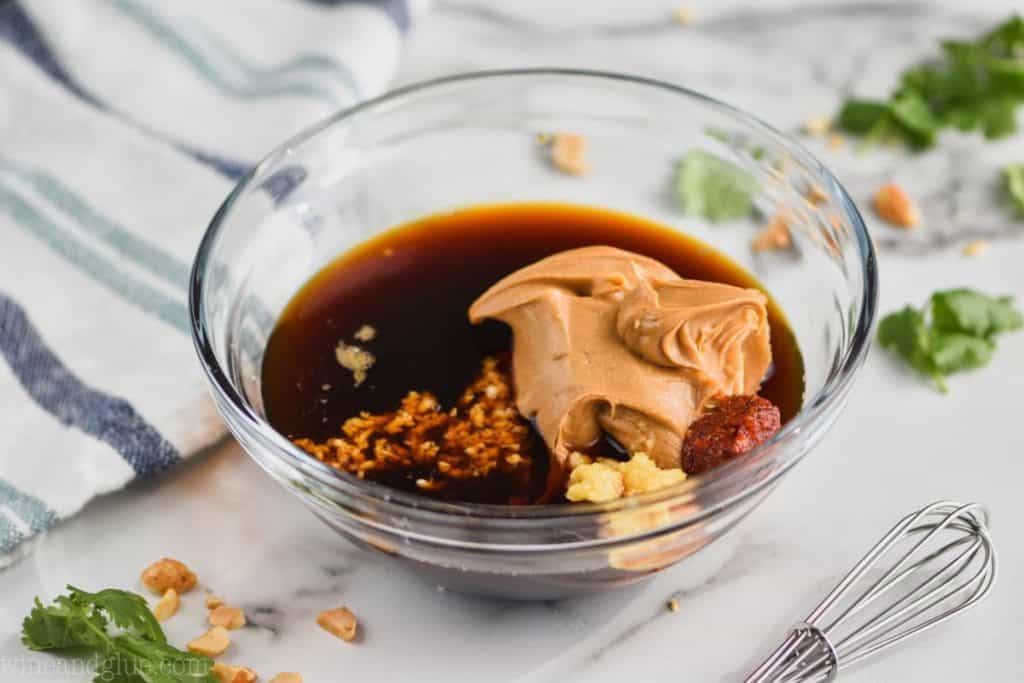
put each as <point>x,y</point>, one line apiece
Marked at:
<point>897,446</point>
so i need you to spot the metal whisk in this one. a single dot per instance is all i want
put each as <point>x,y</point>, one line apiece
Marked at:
<point>935,563</point>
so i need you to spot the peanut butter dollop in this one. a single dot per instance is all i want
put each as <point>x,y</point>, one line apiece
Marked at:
<point>608,341</point>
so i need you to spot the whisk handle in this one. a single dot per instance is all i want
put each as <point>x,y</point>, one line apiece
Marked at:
<point>806,654</point>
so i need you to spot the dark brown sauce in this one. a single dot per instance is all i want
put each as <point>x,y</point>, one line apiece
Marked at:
<point>414,284</point>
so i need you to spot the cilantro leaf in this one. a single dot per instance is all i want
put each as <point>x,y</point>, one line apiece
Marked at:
<point>955,331</point>
<point>862,116</point>
<point>905,332</point>
<point>910,110</point>
<point>974,86</point>
<point>62,626</point>
<point>1005,40</point>
<point>973,313</point>
<point>1014,175</point>
<point>952,352</point>
<point>135,651</point>
<point>709,186</point>
<point>127,610</point>
<point>155,662</point>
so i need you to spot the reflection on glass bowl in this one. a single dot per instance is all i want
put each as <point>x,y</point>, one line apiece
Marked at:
<point>468,140</point>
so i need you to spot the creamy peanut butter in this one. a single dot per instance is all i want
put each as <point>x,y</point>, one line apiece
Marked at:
<point>608,341</point>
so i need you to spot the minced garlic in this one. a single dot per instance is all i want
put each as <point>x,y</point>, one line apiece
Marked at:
<point>355,359</point>
<point>606,479</point>
<point>366,333</point>
<point>596,482</point>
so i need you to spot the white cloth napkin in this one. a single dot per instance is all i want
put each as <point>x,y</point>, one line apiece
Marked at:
<point>123,124</point>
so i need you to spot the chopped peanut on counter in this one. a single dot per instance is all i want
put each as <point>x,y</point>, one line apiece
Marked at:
<point>213,602</point>
<point>230,618</point>
<point>212,643</point>
<point>817,126</point>
<point>975,248</point>
<point>568,152</point>
<point>775,235</point>
<point>895,206</point>
<point>684,14</point>
<point>339,622</point>
<point>287,677</point>
<point>168,573</point>
<point>167,606</point>
<point>816,194</point>
<point>226,673</point>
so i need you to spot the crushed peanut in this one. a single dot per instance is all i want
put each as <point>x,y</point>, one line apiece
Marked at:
<point>568,152</point>
<point>366,333</point>
<point>225,673</point>
<point>975,248</point>
<point>212,643</point>
<point>684,14</point>
<point>836,141</point>
<point>895,206</point>
<point>673,605</point>
<point>606,479</point>
<point>167,606</point>
<point>339,622</point>
<point>168,573</point>
<point>213,602</point>
<point>482,436</point>
<point>355,359</point>
<point>230,618</point>
<point>817,126</point>
<point>816,195</point>
<point>287,677</point>
<point>775,235</point>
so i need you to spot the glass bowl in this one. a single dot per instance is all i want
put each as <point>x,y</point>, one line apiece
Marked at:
<point>469,140</point>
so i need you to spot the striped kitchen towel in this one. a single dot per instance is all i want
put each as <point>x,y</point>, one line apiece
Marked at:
<point>123,124</point>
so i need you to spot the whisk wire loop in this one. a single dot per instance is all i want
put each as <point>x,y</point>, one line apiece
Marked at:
<point>942,563</point>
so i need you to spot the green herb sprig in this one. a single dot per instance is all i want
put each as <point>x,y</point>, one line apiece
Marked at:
<point>118,629</point>
<point>1014,175</point>
<point>953,332</point>
<point>709,186</point>
<point>974,86</point>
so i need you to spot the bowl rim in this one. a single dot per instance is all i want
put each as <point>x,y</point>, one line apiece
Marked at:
<point>826,401</point>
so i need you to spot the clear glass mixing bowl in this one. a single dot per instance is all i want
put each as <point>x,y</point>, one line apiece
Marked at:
<point>471,140</point>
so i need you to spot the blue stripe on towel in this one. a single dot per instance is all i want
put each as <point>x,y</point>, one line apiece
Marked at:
<point>263,85</point>
<point>10,535</point>
<point>36,514</point>
<point>308,63</point>
<point>17,28</point>
<point>93,263</point>
<point>153,259</point>
<point>283,181</point>
<point>54,388</point>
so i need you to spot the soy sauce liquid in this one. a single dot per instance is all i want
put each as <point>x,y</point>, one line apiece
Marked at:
<point>414,285</point>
